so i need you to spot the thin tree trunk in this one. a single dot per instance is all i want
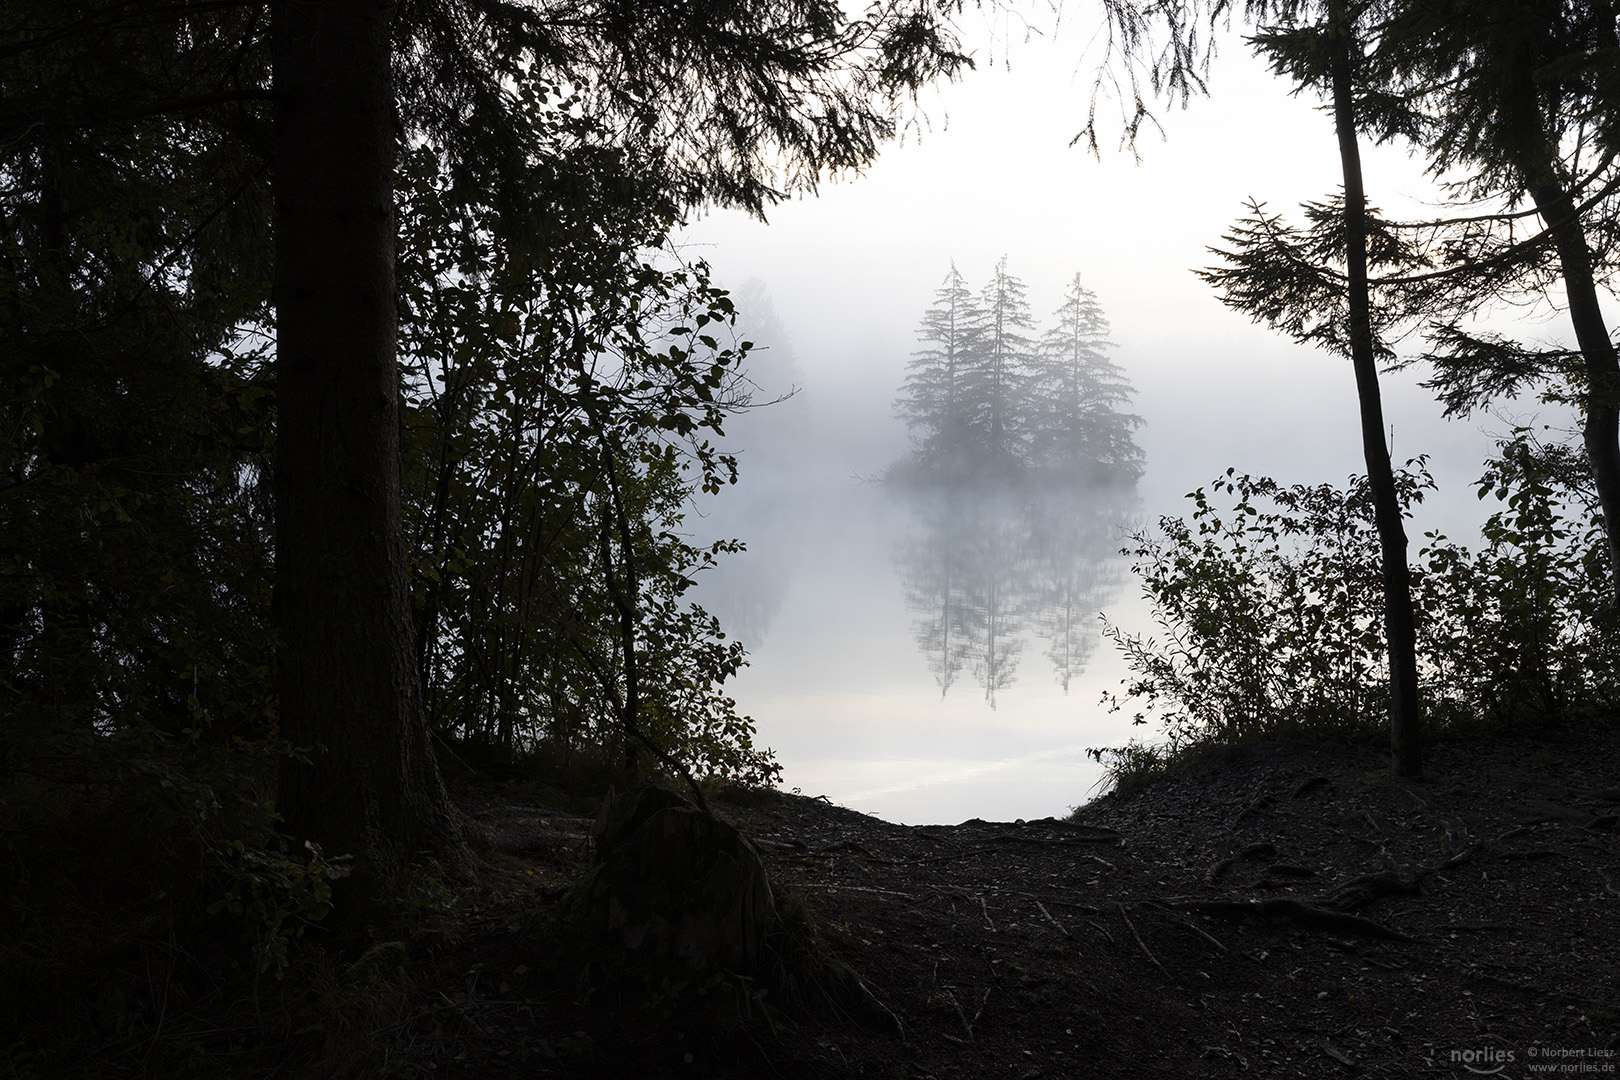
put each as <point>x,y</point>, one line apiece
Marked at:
<point>364,781</point>
<point>1406,748</point>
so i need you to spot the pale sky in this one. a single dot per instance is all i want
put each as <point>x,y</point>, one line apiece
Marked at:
<point>852,270</point>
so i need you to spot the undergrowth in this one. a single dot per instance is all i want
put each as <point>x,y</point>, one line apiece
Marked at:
<point>156,922</point>
<point>1268,604</point>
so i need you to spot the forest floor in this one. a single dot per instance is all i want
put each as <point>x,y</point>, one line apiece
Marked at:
<point>1289,911</point>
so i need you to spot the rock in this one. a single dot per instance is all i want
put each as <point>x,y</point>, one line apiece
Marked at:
<point>675,884</point>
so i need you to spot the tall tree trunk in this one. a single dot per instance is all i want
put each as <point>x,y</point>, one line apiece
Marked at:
<point>1406,747</point>
<point>1602,429</point>
<point>365,782</point>
<point>1535,156</point>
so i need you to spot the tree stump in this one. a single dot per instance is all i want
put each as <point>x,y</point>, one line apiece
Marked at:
<point>674,884</point>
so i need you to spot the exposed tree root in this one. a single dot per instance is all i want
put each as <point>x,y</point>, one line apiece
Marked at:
<point>1258,850</point>
<point>1145,950</point>
<point>1296,912</point>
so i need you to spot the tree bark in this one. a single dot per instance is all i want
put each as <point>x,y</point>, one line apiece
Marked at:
<point>1406,746</point>
<point>1535,157</point>
<point>364,781</point>
<point>1601,432</point>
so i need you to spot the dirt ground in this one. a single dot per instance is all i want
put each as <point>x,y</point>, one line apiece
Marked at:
<point>1289,912</point>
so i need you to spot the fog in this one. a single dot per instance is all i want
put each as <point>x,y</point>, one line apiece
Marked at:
<point>842,598</point>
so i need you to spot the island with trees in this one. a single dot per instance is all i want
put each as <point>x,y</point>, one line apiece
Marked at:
<point>989,396</point>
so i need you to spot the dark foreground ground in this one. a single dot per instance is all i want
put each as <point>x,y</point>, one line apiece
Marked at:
<point>1290,912</point>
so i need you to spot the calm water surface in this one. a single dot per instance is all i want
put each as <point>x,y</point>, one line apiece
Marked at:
<point>929,657</point>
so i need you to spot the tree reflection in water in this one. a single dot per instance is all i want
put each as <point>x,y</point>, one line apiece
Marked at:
<point>985,568</point>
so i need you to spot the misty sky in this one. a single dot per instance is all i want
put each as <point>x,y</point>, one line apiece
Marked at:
<point>851,270</point>
<point>842,693</point>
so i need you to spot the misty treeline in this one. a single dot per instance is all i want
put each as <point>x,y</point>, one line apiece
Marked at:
<point>991,396</point>
<point>986,573</point>
<point>1271,617</point>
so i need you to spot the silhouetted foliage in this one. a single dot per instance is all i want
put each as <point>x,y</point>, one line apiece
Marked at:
<point>1268,606</point>
<point>1515,103</point>
<point>539,392</point>
<point>562,373</point>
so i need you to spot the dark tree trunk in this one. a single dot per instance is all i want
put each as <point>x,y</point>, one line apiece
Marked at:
<point>1535,157</point>
<point>366,783</point>
<point>1406,746</point>
<point>1602,429</point>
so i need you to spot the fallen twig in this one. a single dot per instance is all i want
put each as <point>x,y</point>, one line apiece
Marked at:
<point>835,887</point>
<point>1146,951</point>
<point>960,1015</point>
<point>1100,837</point>
<point>1061,928</point>
<point>1300,914</point>
<point>1190,925</point>
<point>982,1003</point>
<point>1261,802</point>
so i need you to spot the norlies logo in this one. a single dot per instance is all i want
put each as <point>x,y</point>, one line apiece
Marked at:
<point>1484,1062</point>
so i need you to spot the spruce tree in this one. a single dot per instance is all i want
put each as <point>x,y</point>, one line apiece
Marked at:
<point>1078,431</point>
<point>1515,102</point>
<point>935,401</point>
<point>1318,291</point>
<point>998,373</point>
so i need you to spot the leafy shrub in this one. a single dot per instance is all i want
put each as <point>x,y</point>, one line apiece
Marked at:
<point>276,896</point>
<point>1269,607</point>
<point>561,407</point>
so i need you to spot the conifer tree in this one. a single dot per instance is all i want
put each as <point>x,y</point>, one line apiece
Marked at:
<point>934,400</point>
<point>1522,97</point>
<point>985,398</point>
<point>1075,397</point>
<point>998,372</point>
<point>1318,291</point>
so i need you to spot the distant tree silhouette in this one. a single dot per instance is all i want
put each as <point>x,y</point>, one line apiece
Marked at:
<point>968,578</point>
<point>1075,396</point>
<point>997,611</point>
<point>999,368</point>
<point>934,400</point>
<point>987,398</point>
<point>936,568</point>
<point>940,634</point>
<point>1068,545</point>
<point>991,569</point>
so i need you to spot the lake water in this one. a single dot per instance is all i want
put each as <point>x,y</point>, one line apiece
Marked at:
<point>934,658</point>
<point>930,657</point>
